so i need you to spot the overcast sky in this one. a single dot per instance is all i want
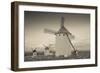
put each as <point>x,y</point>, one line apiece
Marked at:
<point>36,22</point>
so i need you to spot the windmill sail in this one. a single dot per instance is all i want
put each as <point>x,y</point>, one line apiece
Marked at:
<point>49,31</point>
<point>62,22</point>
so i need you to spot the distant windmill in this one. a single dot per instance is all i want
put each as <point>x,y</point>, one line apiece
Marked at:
<point>63,45</point>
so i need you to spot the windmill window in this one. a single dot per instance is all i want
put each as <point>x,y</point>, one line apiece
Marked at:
<point>63,34</point>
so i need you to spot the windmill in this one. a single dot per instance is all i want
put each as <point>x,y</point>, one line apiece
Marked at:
<point>63,45</point>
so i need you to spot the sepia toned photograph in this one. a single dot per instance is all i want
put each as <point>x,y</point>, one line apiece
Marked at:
<point>52,36</point>
<point>56,36</point>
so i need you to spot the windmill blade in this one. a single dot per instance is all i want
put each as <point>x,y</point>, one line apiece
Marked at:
<point>49,31</point>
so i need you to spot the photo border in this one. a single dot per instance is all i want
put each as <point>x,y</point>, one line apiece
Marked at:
<point>15,34</point>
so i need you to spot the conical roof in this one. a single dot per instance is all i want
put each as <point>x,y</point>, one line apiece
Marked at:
<point>62,28</point>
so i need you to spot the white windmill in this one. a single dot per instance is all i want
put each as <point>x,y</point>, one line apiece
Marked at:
<point>63,45</point>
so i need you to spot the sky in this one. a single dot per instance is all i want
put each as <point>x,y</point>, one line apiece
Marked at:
<point>36,22</point>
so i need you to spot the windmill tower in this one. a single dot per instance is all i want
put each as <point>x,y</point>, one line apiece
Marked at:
<point>63,45</point>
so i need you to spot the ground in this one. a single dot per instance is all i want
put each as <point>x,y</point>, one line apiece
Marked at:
<point>81,55</point>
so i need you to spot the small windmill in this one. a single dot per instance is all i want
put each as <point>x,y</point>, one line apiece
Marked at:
<point>63,45</point>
